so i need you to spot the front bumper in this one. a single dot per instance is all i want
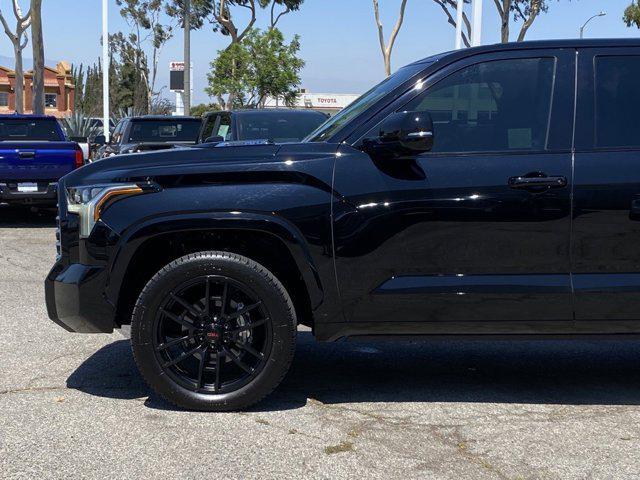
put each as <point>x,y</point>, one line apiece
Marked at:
<point>46,194</point>
<point>75,300</point>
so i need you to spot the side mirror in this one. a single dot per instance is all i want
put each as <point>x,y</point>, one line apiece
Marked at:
<point>403,133</point>
<point>100,140</point>
<point>214,139</point>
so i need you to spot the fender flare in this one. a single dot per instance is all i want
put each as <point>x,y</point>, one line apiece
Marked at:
<point>135,236</point>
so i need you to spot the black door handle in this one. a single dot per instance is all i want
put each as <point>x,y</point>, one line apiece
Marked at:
<point>26,154</point>
<point>537,180</point>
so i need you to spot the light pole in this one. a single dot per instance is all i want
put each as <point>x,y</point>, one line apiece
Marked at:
<point>476,32</point>
<point>601,14</point>
<point>459,12</point>
<point>187,57</point>
<point>105,69</point>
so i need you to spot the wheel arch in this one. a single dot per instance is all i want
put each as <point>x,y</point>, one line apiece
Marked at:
<point>266,239</point>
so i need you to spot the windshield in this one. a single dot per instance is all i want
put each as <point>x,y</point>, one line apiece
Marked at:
<point>363,102</point>
<point>280,127</point>
<point>25,129</point>
<point>169,131</point>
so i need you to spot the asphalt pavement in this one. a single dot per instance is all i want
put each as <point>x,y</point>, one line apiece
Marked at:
<point>74,406</point>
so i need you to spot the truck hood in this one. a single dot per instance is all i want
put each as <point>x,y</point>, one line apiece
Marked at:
<point>176,162</point>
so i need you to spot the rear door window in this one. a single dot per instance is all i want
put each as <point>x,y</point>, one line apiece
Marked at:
<point>617,101</point>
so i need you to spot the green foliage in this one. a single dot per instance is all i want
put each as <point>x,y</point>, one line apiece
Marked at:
<point>262,65</point>
<point>88,89</point>
<point>142,45</point>
<point>632,15</point>
<point>523,9</point>
<point>161,106</point>
<point>78,125</point>
<point>200,11</point>
<point>230,75</point>
<point>129,65</point>
<point>202,108</point>
<point>204,11</point>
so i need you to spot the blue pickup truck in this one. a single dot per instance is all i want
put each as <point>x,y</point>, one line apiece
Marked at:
<point>34,155</point>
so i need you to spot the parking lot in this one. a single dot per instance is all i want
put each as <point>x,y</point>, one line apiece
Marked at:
<point>74,406</point>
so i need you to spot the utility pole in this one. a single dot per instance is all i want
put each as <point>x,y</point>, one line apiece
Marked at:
<point>476,31</point>
<point>105,69</point>
<point>187,57</point>
<point>459,12</point>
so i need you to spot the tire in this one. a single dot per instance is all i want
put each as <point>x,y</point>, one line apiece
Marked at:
<point>221,345</point>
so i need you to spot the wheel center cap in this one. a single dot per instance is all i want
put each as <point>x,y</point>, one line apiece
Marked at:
<point>214,333</point>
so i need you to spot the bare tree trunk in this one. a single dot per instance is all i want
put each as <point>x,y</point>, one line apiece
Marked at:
<point>388,49</point>
<point>19,88</point>
<point>19,41</point>
<point>504,12</point>
<point>274,17</point>
<point>37,44</point>
<point>535,10</point>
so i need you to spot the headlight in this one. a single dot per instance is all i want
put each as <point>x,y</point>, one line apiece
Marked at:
<point>89,201</point>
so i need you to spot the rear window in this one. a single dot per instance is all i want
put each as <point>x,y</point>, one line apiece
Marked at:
<point>280,127</point>
<point>24,129</point>
<point>617,101</point>
<point>170,131</point>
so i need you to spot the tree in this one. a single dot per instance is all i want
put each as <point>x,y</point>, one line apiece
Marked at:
<point>449,8</point>
<point>144,17</point>
<point>388,48</point>
<point>525,11</point>
<point>37,44</point>
<point>129,66</point>
<point>219,13</point>
<point>262,65</point>
<point>631,15</point>
<point>202,108</point>
<point>19,41</point>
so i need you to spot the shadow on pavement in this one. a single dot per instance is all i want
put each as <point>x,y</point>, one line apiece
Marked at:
<point>24,217</point>
<point>534,372</point>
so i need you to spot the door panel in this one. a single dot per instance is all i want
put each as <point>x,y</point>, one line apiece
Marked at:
<point>606,225</point>
<point>443,238</point>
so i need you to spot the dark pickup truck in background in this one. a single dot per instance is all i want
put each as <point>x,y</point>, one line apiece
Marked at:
<point>277,125</point>
<point>149,133</point>
<point>34,155</point>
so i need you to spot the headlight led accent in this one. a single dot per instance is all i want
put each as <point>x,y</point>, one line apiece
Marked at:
<point>89,201</point>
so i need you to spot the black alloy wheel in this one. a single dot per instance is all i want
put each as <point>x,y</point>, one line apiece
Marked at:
<point>213,331</point>
<point>212,334</point>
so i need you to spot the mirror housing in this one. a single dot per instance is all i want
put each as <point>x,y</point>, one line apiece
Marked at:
<point>403,133</point>
<point>99,140</point>
<point>214,139</point>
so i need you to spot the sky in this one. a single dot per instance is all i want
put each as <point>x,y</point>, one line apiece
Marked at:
<point>339,37</point>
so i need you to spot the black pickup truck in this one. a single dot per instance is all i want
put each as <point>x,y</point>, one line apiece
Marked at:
<point>149,133</point>
<point>277,125</point>
<point>492,192</point>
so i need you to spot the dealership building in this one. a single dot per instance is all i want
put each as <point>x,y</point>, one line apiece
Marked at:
<point>330,103</point>
<point>58,90</point>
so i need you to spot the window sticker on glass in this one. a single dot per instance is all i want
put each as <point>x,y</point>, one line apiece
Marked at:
<point>223,130</point>
<point>520,138</point>
<point>167,131</point>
